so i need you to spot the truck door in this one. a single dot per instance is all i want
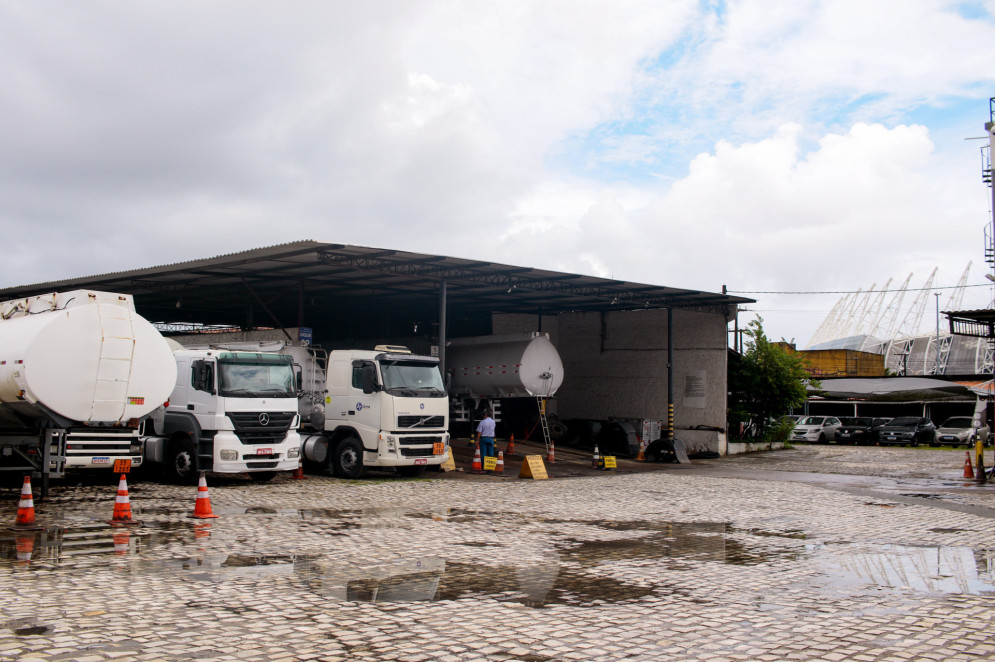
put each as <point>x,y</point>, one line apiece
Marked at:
<point>203,399</point>
<point>364,407</point>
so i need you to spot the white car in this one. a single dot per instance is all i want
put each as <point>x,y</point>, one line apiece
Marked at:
<point>818,429</point>
<point>961,430</point>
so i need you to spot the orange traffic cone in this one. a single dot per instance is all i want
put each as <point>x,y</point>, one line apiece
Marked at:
<point>499,467</point>
<point>596,458</point>
<point>641,455</point>
<point>968,468</point>
<point>299,471</point>
<point>202,507</point>
<point>26,508</point>
<point>549,457</point>
<point>511,445</point>
<point>25,545</point>
<point>476,467</point>
<point>122,504</point>
<point>121,540</point>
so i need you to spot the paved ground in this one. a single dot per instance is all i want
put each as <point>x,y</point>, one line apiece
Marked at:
<point>814,553</point>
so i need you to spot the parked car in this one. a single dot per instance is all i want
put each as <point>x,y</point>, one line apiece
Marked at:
<point>819,429</point>
<point>961,430</point>
<point>862,430</point>
<point>912,430</point>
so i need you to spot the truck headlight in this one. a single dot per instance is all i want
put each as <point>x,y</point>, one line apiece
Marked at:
<point>391,444</point>
<point>293,452</point>
<point>229,455</point>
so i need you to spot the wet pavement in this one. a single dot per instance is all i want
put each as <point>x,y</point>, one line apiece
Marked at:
<point>812,553</point>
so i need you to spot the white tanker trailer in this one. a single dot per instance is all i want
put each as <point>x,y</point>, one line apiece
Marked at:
<point>79,371</point>
<point>496,371</point>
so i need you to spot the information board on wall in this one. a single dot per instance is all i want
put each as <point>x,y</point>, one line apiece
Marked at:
<point>694,389</point>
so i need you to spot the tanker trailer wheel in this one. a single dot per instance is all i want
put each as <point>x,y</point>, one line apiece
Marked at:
<point>181,464</point>
<point>348,458</point>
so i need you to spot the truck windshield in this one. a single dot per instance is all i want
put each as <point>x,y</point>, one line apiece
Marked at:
<point>256,377</point>
<point>412,378</point>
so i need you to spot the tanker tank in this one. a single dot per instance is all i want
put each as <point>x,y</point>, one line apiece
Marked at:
<point>504,366</point>
<point>80,357</point>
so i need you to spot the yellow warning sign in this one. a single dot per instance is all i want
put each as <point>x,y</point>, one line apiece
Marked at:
<point>532,467</point>
<point>449,464</point>
<point>610,462</point>
<point>490,463</point>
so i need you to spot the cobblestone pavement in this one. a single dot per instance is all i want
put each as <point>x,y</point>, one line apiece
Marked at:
<point>814,553</point>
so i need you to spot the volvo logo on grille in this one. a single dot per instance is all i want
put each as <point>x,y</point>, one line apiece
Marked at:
<point>264,419</point>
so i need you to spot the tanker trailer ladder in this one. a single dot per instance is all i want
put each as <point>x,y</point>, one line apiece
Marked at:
<point>114,364</point>
<point>53,465</point>
<point>541,401</point>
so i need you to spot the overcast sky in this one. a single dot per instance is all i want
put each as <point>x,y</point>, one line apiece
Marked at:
<point>764,145</point>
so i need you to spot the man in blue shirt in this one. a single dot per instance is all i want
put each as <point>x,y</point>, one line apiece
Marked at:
<point>485,435</point>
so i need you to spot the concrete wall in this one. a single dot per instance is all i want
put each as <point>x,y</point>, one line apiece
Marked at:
<point>615,365</point>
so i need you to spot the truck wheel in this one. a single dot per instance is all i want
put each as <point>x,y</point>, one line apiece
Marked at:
<point>181,464</point>
<point>261,476</point>
<point>348,458</point>
<point>411,472</point>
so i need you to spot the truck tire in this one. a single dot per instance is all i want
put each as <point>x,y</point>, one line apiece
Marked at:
<point>261,476</point>
<point>181,462</point>
<point>411,472</point>
<point>348,458</point>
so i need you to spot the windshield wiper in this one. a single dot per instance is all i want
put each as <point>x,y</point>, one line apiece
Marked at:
<point>240,392</point>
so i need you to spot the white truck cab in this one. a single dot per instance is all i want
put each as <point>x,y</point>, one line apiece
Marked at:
<point>384,407</point>
<point>230,412</point>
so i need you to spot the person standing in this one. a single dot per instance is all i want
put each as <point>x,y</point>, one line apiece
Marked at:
<point>485,435</point>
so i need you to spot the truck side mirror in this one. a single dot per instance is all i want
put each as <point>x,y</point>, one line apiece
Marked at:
<point>370,379</point>
<point>299,376</point>
<point>203,376</point>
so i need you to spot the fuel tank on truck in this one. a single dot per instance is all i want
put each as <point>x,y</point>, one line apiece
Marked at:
<point>504,366</point>
<point>80,357</point>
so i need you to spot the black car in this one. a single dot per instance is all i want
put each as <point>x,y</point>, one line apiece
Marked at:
<point>862,430</point>
<point>911,430</point>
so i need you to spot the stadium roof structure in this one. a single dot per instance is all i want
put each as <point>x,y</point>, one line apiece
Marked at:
<point>311,283</point>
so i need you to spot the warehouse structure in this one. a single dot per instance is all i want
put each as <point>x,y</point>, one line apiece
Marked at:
<point>629,350</point>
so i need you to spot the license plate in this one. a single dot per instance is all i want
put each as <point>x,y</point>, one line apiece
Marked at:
<point>421,460</point>
<point>438,448</point>
<point>122,466</point>
<point>264,451</point>
<point>100,460</point>
<point>947,438</point>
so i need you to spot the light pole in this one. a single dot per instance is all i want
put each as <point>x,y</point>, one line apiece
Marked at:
<point>936,370</point>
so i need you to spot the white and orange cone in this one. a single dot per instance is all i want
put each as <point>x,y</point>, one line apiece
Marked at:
<point>202,508</point>
<point>499,466</point>
<point>476,467</point>
<point>550,459</point>
<point>26,508</point>
<point>968,467</point>
<point>299,471</point>
<point>122,504</point>
<point>511,445</point>
<point>641,455</point>
<point>596,458</point>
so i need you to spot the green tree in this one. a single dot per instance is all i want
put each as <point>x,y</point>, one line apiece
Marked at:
<point>764,384</point>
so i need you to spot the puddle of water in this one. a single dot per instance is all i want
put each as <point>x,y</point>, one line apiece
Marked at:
<point>922,569</point>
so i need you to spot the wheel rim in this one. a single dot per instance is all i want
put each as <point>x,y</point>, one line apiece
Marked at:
<point>348,460</point>
<point>183,464</point>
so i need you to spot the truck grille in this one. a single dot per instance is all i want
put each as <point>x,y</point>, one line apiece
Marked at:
<point>426,444</point>
<point>250,429</point>
<point>415,441</point>
<point>421,422</point>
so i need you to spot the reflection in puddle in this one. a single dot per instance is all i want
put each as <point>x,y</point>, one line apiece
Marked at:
<point>925,569</point>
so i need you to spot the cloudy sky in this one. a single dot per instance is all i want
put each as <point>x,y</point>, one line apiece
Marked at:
<point>765,145</point>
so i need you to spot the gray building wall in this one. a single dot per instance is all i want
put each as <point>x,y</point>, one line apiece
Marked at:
<point>615,365</point>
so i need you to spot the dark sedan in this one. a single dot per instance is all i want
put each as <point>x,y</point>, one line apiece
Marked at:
<point>861,431</point>
<point>911,430</point>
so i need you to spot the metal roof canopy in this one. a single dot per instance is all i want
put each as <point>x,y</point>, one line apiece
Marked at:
<point>324,285</point>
